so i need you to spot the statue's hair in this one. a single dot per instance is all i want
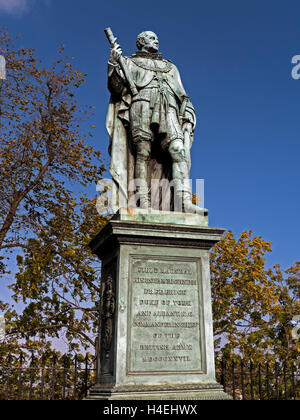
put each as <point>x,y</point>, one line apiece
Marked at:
<point>140,39</point>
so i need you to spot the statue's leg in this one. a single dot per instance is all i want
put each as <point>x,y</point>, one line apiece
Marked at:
<point>180,173</point>
<point>143,151</point>
<point>141,135</point>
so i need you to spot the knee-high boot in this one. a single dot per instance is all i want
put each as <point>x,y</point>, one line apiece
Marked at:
<point>141,175</point>
<point>183,194</point>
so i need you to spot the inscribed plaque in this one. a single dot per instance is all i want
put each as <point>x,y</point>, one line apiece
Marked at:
<point>165,315</point>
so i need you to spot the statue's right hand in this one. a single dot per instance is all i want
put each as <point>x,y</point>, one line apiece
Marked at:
<point>115,54</point>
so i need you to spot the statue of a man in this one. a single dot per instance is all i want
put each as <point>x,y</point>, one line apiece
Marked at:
<point>151,131</point>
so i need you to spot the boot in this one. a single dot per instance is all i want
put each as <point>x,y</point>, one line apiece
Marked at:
<point>144,200</point>
<point>187,204</point>
<point>183,195</point>
<point>141,171</point>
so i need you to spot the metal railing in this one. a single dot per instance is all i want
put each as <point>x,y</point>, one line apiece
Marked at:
<point>262,381</point>
<point>30,377</point>
<point>43,378</point>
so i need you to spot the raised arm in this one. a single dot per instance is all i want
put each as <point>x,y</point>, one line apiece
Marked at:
<point>116,78</point>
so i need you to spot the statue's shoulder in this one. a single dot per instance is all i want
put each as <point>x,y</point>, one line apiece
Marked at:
<point>171,64</point>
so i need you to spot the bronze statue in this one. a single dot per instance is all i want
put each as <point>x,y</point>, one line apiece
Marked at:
<point>150,120</point>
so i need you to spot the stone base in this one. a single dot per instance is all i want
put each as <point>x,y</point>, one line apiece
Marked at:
<point>159,216</point>
<point>189,392</point>
<point>155,332</point>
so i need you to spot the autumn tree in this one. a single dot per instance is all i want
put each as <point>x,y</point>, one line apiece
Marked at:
<point>45,221</point>
<point>253,306</point>
<point>284,311</point>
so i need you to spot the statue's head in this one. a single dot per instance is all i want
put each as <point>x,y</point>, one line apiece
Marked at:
<point>147,41</point>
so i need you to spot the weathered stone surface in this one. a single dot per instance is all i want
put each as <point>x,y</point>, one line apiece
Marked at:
<point>158,216</point>
<point>164,317</point>
<point>206,391</point>
<point>151,123</point>
<point>156,336</point>
<point>2,67</point>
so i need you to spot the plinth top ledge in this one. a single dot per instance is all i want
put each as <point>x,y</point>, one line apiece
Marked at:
<point>159,216</point>
<point>156,228</point>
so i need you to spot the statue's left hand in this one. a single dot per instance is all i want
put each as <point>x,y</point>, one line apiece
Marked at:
<point>187,126</point>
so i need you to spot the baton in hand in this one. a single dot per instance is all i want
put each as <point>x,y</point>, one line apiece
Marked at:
<point>112,40</point>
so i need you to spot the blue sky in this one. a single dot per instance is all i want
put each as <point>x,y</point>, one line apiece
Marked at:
<point>234,57</point>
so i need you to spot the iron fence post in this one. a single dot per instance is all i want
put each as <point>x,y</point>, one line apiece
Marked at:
<point>7,393</point>
<point>20,376</point>
<point>64,376</point>
<point>276,381</point>
<point>223,376</point>
<point>86,376</point>
<point>42,376</point>
<point>242,379</point>
<point>284,380</point>
<point>31,367</point>
<point>53,378</point>
<point>233,379</point>
<point>75,378</point>
<point>259,382</point>
<point>268,380</point>
<point>251,380</point>
<point>293,383</point>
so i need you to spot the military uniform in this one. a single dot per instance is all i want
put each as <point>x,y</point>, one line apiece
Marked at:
<point>155,110</point>
<point>155,113</point>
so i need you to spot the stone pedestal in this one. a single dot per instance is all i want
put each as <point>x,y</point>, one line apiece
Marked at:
<point>156,336</point>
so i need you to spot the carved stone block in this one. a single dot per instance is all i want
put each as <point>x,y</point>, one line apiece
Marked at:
<point>155,338</point>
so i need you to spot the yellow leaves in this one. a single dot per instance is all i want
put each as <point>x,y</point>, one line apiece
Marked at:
<point>35,124</point>
<point>246,235</point>
<point>249,300</point>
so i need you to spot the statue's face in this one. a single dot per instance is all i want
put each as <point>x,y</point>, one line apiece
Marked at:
<point>151,43</point>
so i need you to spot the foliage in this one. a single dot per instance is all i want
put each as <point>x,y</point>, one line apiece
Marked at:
<point>253,306</point>
<point>45,159</point>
